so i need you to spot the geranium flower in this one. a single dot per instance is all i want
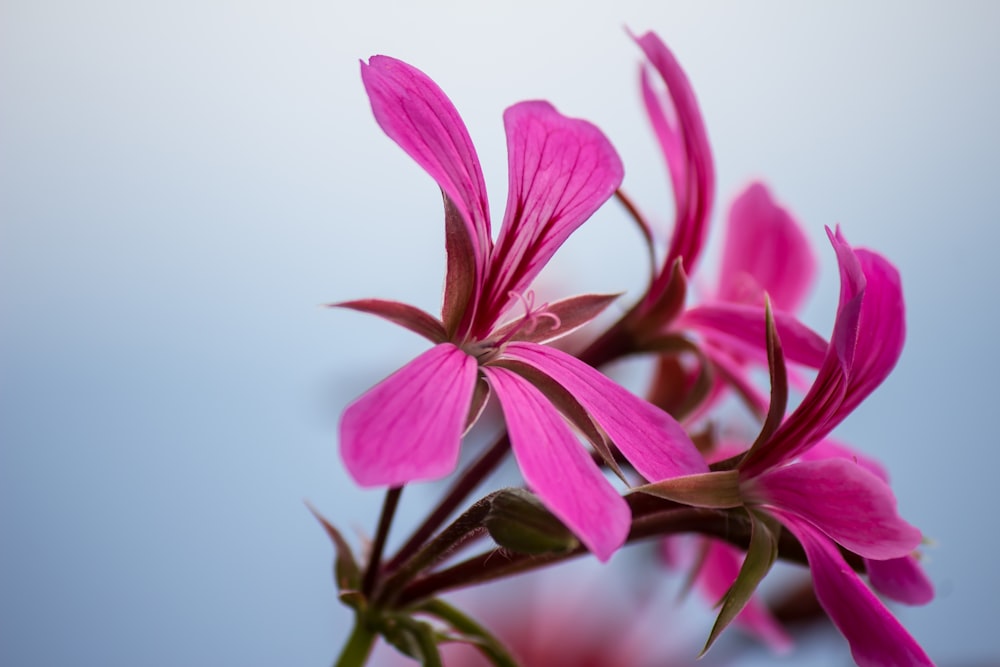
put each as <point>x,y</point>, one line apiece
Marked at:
<point>409,426</point>
<point>831,501</point>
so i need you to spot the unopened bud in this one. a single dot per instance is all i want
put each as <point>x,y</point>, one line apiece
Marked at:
<point>518,521</point>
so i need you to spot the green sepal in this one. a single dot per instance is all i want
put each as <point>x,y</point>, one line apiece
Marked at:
<point>469,632</point>
<point>346,571</point>
<point>413,638</point>
<point>714,490</point>
<point>518,521</point>
<point>761,554</point>
<point>779,386</point>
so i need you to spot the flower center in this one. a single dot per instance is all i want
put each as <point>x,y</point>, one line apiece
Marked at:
<point>487,349</point>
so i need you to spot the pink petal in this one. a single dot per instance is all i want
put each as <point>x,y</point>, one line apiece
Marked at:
<point>678,125</point>
<point>881,329</point>
<point>403,314</point>
<point>649,438</point>
<point>561,171</point>
<point>876,638</point>
<point>840,498</point>
<point>409,426</point>
<point>833,449</point>
<point>852,290</point>
<point>765,251</point>
<point>820,410</point>
<point>415,113</point>
<point>740,328</point>
<point>718,572</point>
<point>557,467</point>
<point>901,579</point>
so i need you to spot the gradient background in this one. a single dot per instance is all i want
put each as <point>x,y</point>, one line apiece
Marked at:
<point>182,184</point>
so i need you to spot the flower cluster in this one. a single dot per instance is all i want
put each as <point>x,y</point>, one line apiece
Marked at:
<point>602,466</point>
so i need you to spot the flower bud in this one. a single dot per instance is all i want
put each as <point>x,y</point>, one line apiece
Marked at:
<point>518,521</point>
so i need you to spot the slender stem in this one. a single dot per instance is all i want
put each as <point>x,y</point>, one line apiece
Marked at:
<point>359,646</point>
<point>385,521</point>
<point>464,527</point>
<point>460,490</point>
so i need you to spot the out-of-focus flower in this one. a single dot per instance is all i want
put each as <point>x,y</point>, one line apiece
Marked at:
<point>409,426</point>
<point>575,617</point>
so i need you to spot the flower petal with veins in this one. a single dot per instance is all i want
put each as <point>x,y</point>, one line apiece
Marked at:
<point>648,437</point>
<point>876,638</point>
<point>409,426</point>
<point>557,467</point>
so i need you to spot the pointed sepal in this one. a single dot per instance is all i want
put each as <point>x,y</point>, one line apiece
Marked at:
<point>716,490</point>
<point>556,320</point>
<point>403,314</point>
<point>761,554</point>
<point>346,570</point>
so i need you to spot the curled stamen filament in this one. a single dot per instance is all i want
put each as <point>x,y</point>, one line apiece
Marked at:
<point>532,316</point>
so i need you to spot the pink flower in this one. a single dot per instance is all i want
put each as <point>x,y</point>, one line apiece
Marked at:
<point>835,500</point>
<point>766,255</point>
<point>765,252</point>
<point>823,498</point>
<point>409,426</point>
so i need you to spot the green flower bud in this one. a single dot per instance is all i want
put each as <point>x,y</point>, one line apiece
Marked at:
<point>518,521</point>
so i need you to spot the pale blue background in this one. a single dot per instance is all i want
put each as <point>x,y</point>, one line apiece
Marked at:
<point>183,184</point>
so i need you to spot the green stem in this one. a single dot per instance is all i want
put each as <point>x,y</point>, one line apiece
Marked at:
<point>359,645</point>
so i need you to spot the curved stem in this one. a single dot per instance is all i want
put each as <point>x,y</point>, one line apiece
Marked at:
<point>460,490</point>
<point>358,647</point>
<point>464,527</point>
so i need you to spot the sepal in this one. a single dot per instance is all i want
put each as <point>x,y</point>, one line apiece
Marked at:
<point>566,315</point>
<point>346,570</point>
<point>715,490</point>
<point>403,314</point>
<point>761,554</point>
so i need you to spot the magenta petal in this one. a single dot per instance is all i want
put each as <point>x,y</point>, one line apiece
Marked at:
<point>718,571</point>
<point>740,327</point>
<point>418,116</point>
<point>877,639</point>
<point>678,125</point>
<point>409,426</point>
<point>766,251</point>
<point>901,579</point>
<point>882,328</point>
<point>561,171</point>
<point>852,289</point>
<point>840,498</point>
<point>833,449</point>
<point>557,467</point>
<point>821,408</point>
<point>649,438</point>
